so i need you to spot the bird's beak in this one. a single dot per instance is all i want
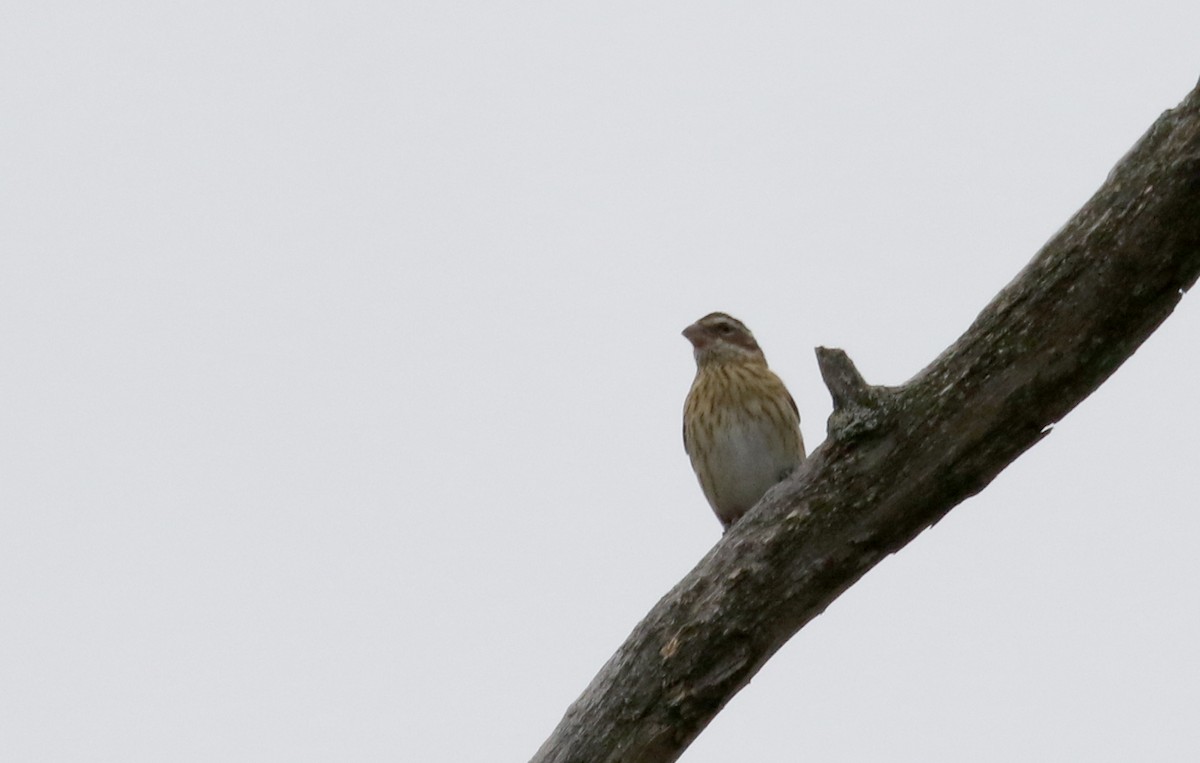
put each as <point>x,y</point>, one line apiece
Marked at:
<point>696,334</point>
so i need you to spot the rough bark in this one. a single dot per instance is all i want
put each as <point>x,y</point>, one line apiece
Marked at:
<point>897,459</point>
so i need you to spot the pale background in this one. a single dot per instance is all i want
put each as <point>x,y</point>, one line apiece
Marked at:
<point>341,378</point>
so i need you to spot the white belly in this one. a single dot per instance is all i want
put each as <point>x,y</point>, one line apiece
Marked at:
<point>745,460</point>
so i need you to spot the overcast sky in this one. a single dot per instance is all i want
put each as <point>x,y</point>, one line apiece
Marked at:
<point>341,374</point>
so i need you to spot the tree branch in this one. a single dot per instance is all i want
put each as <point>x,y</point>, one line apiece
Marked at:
<point>898,459</point>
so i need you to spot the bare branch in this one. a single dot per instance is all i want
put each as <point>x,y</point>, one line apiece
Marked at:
<point>897,459</point>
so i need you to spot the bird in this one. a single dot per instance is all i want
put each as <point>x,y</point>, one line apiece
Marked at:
<point>741,427</point>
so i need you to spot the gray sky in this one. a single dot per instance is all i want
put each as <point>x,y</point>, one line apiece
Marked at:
<point>341,381</point>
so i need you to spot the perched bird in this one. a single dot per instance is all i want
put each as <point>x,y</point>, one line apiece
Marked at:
<point>741,428</point>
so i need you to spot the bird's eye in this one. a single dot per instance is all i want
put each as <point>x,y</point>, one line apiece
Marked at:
<point>725,328</point>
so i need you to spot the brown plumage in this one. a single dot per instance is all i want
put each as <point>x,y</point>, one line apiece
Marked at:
<point>741,427</point>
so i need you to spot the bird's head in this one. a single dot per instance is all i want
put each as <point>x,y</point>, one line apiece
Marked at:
<point>721,338</point>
